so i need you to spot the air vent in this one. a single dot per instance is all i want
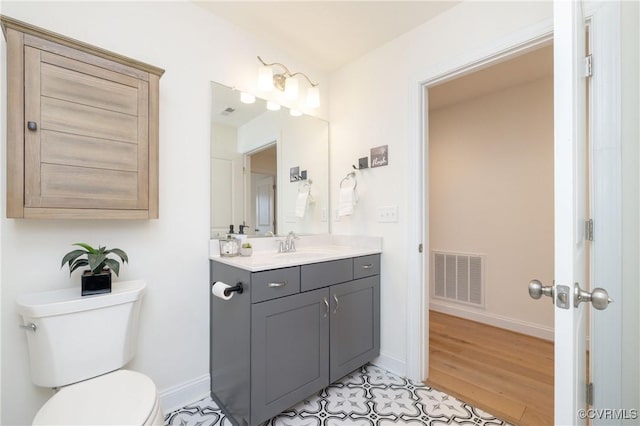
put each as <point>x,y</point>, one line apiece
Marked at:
<point>458,277</point>
<point>227,111</point>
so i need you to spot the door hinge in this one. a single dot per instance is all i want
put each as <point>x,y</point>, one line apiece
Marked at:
<point>590,393</point>
<point>588,66</point>
<point>588,230</point>
<point>420,248</point>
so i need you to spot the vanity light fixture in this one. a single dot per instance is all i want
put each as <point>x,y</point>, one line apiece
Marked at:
<point>247,98</point>
<point>285,81</point>
<point>273,106</point>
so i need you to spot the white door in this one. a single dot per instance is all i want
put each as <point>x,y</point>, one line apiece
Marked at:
<point>570,167</point>
<point>265,204</point>
<point>571,210</point>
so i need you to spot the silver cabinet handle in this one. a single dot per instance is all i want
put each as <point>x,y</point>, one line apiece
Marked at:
<point>31,326</point>
<point>369,266</point>
<point>326,307</point>
<point>335,310</point>
<point>276,285</point>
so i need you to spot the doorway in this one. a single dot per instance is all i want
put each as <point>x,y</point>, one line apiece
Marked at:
<point>261,167</point>
<point>491,218</point>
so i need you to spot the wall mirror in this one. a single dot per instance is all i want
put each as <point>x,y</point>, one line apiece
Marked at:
<point>269,169</point>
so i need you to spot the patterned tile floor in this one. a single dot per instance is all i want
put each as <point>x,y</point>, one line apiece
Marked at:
<point>369,396</point>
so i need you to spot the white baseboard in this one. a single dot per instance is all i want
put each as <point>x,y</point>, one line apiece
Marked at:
<point>518,326</point>
<point>391,364</point>
<point>185,393</point>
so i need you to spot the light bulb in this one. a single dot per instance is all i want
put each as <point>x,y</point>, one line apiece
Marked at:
<point>291,88</point>
<point>313,97</point>
<point>247,98</point>
<point>265,78</point>
<point>273,106</point>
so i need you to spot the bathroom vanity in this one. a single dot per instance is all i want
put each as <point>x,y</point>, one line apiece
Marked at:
<point>303,320</point>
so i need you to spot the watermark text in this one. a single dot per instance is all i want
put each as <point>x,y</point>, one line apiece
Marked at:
<point>608,414</point>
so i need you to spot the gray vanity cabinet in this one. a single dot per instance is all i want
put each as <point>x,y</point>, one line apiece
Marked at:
<point>291,333</point>
<point>355,325</point>
<point>289,351</point>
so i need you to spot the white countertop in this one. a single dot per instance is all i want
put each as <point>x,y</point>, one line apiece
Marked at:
<point>309,249</point>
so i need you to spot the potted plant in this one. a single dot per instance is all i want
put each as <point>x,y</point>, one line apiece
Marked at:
<point>96,279</point>
<point>246,249</point>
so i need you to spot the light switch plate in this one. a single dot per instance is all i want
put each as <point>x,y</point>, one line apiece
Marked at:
<point>387,213</point>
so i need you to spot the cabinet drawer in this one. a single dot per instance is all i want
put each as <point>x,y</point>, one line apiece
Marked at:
<point>318,275</point>
<point>276,283</point>
<point>366,266</point>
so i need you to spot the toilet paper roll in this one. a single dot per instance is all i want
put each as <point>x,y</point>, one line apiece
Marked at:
<point>218,288</point>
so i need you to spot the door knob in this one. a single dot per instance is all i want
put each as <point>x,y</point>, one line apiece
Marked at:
<point>599,297</point>
<point>537,290</point>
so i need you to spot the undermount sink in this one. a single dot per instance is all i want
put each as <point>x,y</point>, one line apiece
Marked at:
<point>302,254</point>
<point>308,253</point>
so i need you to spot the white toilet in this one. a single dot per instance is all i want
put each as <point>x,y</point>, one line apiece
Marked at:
<point>78,344</point>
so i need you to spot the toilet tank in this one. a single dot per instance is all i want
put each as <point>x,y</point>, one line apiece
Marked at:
<point>79,337</point>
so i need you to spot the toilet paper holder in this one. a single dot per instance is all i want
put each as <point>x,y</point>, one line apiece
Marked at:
<point>236,288</point>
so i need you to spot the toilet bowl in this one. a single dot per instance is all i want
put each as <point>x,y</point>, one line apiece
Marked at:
<point>78,344</point>
<point>123,397</point>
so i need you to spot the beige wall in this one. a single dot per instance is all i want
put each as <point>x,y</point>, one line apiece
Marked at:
<point>491,193</point>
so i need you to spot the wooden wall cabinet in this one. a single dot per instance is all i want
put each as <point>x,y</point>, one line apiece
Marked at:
<point>82,129</point>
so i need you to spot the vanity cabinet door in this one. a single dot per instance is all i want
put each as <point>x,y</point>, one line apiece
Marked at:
<point>355,325</point>
<point>290,351</point>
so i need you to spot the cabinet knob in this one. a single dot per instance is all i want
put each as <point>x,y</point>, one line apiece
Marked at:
<point>32,125</point>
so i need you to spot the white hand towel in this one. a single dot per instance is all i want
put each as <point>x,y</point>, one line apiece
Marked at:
<point>301,203</point>
<point>347,201</point>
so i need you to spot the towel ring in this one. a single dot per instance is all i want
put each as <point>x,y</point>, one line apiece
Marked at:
<point>305,187</point>
<point>350,176</point>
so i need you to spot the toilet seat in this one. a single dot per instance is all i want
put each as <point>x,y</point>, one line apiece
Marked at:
<point>122,397</point>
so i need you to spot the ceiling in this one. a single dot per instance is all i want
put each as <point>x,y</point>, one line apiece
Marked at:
<point>327,34</point>
<point>519,70</point>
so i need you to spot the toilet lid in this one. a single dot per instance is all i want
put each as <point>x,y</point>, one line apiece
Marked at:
<point>120,398</point>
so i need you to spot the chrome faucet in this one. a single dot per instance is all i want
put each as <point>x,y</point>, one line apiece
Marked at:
<point>288,245</point>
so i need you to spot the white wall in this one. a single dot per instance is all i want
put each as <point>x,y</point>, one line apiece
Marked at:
<point>371,105</point>
<point>171,253</point>
<point>491,193</point>
<point>303,142</point>
<point>227,180</point>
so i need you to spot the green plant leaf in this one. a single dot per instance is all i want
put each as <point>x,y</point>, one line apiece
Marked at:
<point>78,263</point>
<point>114,265</point>
<point>120,253</point>
<point>86,246</point>
<point>71,256</point>
<point>96,261</point>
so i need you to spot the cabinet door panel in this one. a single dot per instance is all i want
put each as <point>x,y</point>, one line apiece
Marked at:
<point>78,119</point>
<point>85,89</point>
<point>84,187</point>
<point>290,352</point>
<point>83,151</point>
<point>355,325</point>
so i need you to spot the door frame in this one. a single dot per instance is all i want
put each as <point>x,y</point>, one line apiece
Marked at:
<point>418,297</point>
<point>606,165</point>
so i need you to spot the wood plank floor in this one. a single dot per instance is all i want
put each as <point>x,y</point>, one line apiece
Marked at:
<point>507,374</point>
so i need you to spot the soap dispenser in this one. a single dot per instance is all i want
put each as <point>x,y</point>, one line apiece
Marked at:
<point>229,246</point>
